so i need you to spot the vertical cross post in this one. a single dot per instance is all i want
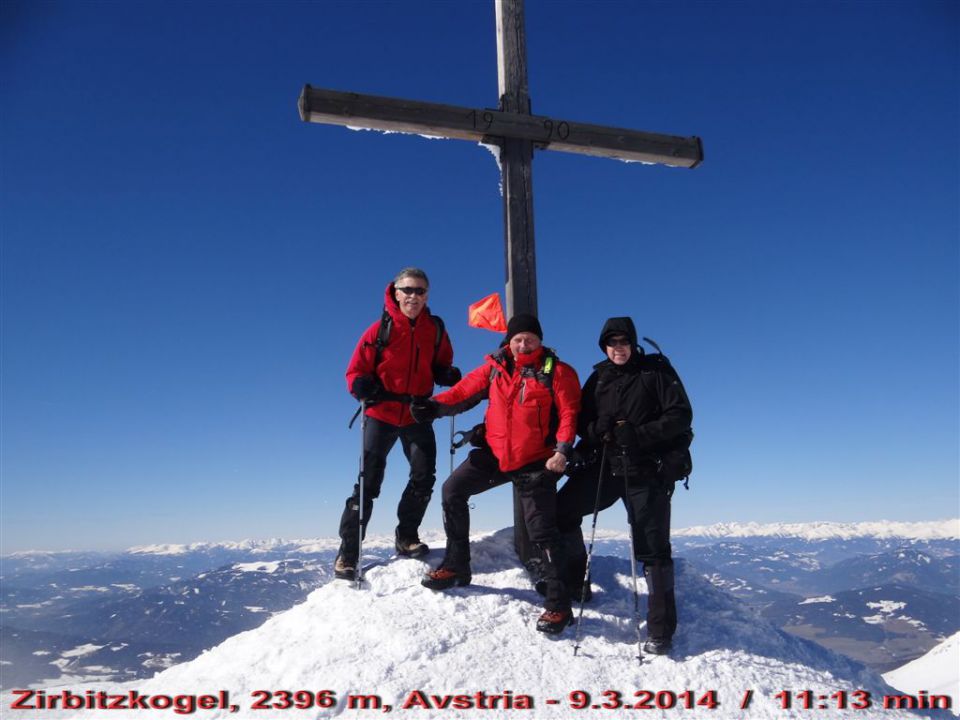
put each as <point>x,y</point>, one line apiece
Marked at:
<point>516,162</point>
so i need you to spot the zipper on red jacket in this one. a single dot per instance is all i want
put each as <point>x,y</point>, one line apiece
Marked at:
<point>414,361</point>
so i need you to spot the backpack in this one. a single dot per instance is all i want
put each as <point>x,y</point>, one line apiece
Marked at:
<point>674,462</point>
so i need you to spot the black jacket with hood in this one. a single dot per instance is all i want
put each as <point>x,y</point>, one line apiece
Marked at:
<point>647,393</point>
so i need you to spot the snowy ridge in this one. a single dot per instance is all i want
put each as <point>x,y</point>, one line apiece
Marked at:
<point>40,554</point>
<point>936,672</point>
<point>395,638</point>
<point>929,530</point>
<point>270,545</point>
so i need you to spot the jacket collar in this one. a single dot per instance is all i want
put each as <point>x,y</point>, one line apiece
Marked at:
<point>503,359</point>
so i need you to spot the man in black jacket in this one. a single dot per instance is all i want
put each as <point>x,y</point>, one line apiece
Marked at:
<point>635,422</point>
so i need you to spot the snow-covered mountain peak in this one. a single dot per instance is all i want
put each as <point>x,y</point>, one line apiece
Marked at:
<point>936,672</point>
<point>402,643</point>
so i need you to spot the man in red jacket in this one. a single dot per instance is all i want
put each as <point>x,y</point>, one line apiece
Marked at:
<point>530,426</point>
<point>388,377</point>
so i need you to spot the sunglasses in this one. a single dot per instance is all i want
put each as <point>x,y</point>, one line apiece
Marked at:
<point>618,342</point>
<point>412,290</point>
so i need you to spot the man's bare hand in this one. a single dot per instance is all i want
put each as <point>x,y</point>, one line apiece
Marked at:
<point>557,463</point>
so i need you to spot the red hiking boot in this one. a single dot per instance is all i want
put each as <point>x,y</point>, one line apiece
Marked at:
<point>444,577</point>
<point>552,622</point>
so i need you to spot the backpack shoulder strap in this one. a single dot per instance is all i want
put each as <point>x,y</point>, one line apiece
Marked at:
<point>441,329</point>
<point>545,376</point>
<point>498,356</point>
<point>383,337</point>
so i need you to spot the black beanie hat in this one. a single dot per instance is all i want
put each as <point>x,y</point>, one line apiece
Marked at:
<point>523,323</point>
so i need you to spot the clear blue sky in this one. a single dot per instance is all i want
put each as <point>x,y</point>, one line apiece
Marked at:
<point>187,266</point>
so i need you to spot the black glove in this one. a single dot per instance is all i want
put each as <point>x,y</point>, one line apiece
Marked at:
<point>601,428</point>
<point>478,436</point>
<point>425,410</point>
<point>575,463</point>
<point>447,376</point>
<point>367,388</point>
<point>624,435</point>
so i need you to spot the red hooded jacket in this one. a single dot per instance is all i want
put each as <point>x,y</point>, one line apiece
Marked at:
<point>406,363</point>
<point>518,418</point>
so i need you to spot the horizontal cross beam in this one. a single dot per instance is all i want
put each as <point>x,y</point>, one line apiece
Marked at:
<point>451,121</point>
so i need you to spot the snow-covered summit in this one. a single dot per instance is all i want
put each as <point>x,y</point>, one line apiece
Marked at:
<point>415,649</point>
<point>936,672</point>
<point>930,530</point>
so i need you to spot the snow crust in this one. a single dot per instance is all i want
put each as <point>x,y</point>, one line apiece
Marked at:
<point>357,128</point>
<point>937,672</point>
<point>395,637</point>
<point>929,530</point>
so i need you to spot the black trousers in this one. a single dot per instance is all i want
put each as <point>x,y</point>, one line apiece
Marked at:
<point>537,489</point>
<point>647,502</point>
<point>420,448</point>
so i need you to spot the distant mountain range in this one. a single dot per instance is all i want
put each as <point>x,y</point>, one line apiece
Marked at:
<point>126,615</point>
<point>928,530</point>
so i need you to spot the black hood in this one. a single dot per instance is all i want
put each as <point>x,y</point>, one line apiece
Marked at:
<point>618,326</point>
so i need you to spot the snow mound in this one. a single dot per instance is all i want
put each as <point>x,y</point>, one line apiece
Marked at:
<point>931,530</point>
<point>937,672</point>
<point>394,638</point>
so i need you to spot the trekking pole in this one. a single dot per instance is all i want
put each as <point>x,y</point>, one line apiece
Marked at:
<point>453,448</point>
<point>361,482</point>
<point>593,535</point>
<point>633,557</point>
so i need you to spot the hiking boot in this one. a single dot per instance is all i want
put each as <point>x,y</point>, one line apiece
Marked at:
<point>412,548</point>
<point>344,569</point>
<point>552,622</point>
<point>656,646</point>
<point>444,577</point>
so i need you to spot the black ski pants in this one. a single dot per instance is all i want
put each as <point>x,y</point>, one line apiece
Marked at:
<point>647,502</point>
<point>420,448</point>
<point>537,489</point>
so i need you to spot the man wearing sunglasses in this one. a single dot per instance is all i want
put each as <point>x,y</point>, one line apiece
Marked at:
<point>398,359</point>
<point>635,426</point>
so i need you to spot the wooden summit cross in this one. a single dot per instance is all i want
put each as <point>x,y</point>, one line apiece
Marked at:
<point>517,132</point>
